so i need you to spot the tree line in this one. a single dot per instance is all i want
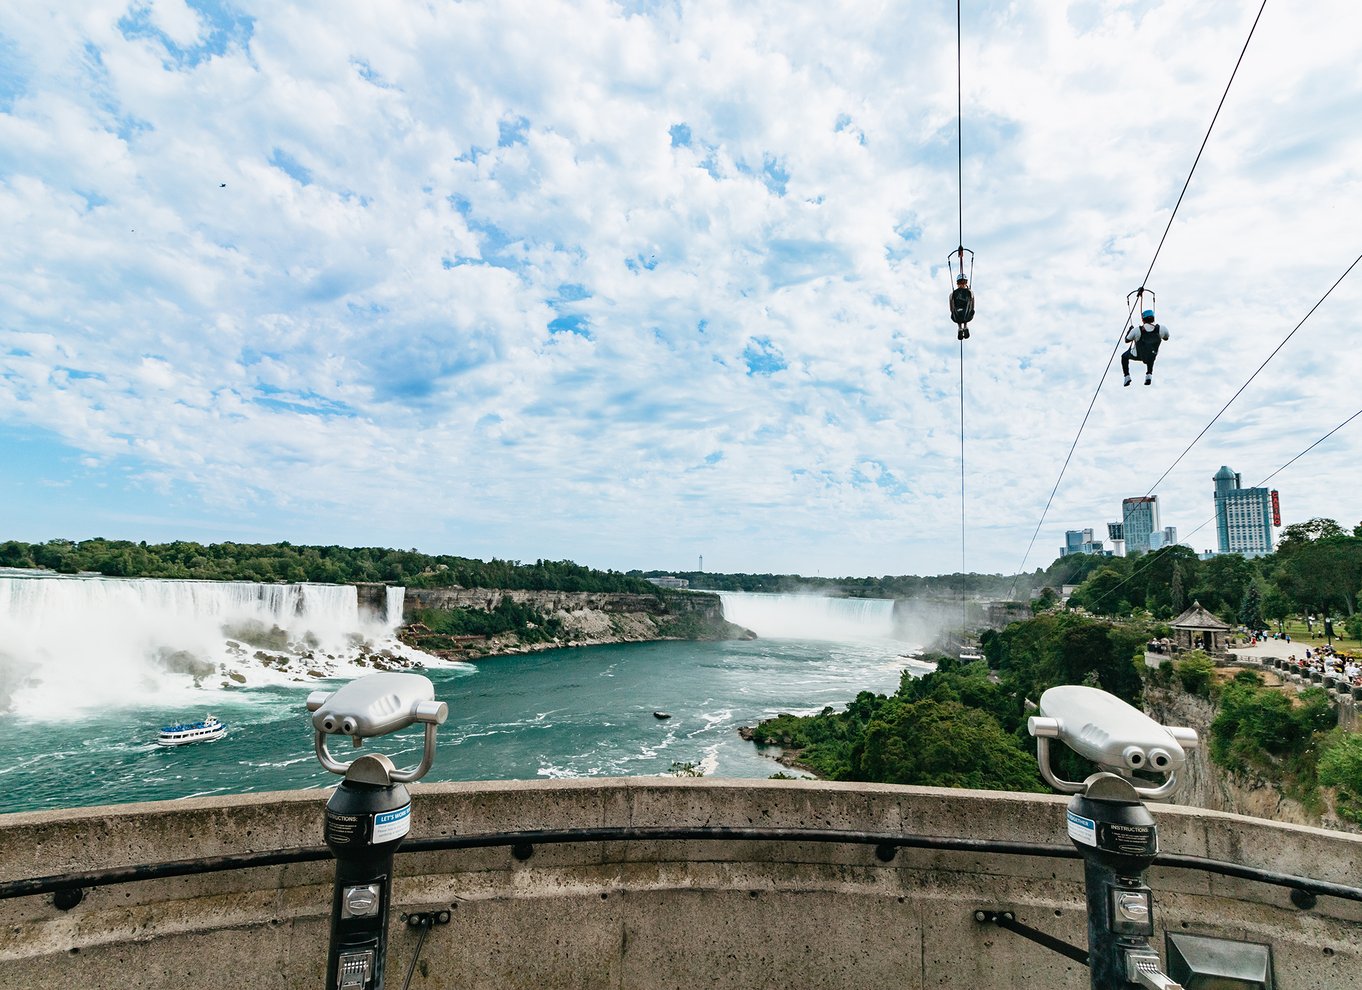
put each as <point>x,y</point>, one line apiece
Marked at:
<point>1316,570</point>
<point>330,564</point>
<point>887,586</point>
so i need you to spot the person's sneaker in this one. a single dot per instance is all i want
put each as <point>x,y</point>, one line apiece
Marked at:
<point>1127,382</point>
<point>1149,379</point>
<point>962,333</point>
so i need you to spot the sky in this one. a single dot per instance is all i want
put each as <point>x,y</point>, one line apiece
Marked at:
<point>636,283</point>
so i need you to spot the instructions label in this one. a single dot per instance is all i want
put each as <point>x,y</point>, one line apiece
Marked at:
<point>1129,840</point>
<point>1082,829</point>
<point>345,830</point>
<point>389,825</point>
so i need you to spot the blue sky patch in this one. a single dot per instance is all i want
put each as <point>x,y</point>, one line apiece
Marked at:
<point>512,130</point>
<point>13,74</point>
<point>571,323</point>
<point>76,374</point>
<point>307,403</point>
<point>762,357</point>
<point>710,163</point>
<point>93,200</point>
<point>290,166</point>
<point>774,175</point>
<point>221,27</point>
<point>680,135</point>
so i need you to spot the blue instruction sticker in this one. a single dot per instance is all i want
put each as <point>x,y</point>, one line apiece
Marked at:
<point>389,825</point>
<point>1082,829</point>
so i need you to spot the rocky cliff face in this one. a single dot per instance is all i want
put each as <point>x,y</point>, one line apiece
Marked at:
<point>1205,784</point>
<point>586,618</point>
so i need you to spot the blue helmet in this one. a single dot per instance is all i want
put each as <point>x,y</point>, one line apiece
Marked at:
<point>1147,314</point>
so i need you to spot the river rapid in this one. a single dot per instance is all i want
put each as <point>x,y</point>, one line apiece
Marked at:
<point>582,712</point>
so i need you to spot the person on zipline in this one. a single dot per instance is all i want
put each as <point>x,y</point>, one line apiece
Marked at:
<point>962,307</point>
<point>1144,345</point>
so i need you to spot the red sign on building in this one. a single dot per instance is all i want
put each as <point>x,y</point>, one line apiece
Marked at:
<point>1276,509</point>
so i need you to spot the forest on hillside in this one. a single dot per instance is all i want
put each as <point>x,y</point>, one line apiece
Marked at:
<point>286,562</point>
<point>1316,569</point>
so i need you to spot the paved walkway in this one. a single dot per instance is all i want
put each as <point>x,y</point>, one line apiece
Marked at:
<point>1270,648</point>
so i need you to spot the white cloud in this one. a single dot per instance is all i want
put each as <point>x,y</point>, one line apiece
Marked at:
<point>488,278</point>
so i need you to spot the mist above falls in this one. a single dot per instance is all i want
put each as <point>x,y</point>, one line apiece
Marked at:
<point>918,622</point>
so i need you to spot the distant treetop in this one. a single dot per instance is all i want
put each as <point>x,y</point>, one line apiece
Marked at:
<point>286,562</point>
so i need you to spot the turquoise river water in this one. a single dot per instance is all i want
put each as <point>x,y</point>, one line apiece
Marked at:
<point>580,712</point>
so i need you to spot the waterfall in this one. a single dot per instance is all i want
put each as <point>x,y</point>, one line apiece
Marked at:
<point>393,613</point>
<point>810,616</point>
<point>76,642</point>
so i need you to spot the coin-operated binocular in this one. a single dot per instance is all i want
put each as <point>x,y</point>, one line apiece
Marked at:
<point>369,813</point>
<point>1108,822</point>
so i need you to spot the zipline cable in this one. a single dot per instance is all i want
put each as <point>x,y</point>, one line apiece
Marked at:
<point>1120,337</point>
<point>1254,375</point>
<point>1149,558</point>
<point>960,216</point>
<point>1125,516</point>
<point>959,136</point>
<point>962,462</point>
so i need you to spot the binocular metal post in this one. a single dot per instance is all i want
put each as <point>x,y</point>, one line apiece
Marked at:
<point>1109,823</point>
<point>1117,837</point>
<point>369,814</point>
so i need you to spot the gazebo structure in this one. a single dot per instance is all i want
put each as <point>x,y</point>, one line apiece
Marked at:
<point>1198,629</point>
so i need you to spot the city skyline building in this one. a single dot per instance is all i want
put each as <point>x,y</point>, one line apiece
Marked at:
<point>1165,537</point>
<point>1139,519</point>
<point>1081,541</point>
<point>1243,516</point>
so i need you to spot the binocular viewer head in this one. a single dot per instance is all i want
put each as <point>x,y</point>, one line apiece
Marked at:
<point>376,705</point>
<point>1105,730</point>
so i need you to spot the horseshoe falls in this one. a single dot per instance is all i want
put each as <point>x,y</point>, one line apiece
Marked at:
<point>816,617</point>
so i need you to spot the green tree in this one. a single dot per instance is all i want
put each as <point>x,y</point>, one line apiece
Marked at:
<point>1340,767</point>
<point>1276,606</point>
<point>1098,593</point>
<point>1194,670</point>
<point>943,744</point>
<point>1177,595</point>
<point>1251,608</point>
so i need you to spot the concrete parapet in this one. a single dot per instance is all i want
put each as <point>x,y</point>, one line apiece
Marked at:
<point>651,914</point>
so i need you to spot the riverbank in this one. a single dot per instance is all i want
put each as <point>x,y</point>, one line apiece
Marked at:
<point>786,757</point>
<point>549,620</point>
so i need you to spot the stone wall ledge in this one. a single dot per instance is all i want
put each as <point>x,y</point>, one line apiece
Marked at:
<point>656,913</point>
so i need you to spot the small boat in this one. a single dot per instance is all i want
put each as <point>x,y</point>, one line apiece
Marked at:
<point>207,730</point>
<point>662,714</point>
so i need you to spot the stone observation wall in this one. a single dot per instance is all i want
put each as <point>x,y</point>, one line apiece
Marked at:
<point>652,914</point>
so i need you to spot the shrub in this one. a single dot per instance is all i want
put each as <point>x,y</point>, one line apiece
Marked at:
<point>1194,671</point>
<point>1340,767</point>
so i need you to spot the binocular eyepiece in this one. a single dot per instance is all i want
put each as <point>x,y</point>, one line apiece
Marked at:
<point>375,705</point>
<point>1105,730</point>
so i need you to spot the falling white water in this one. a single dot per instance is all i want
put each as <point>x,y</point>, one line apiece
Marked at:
<point>71,643</point>
<point>810,616</point>
<point>393,613</point>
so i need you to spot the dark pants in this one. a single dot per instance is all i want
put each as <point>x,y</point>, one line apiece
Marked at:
<point>1126,355</point>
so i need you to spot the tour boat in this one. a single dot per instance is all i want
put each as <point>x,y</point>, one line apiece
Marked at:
<point>192,732</point>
